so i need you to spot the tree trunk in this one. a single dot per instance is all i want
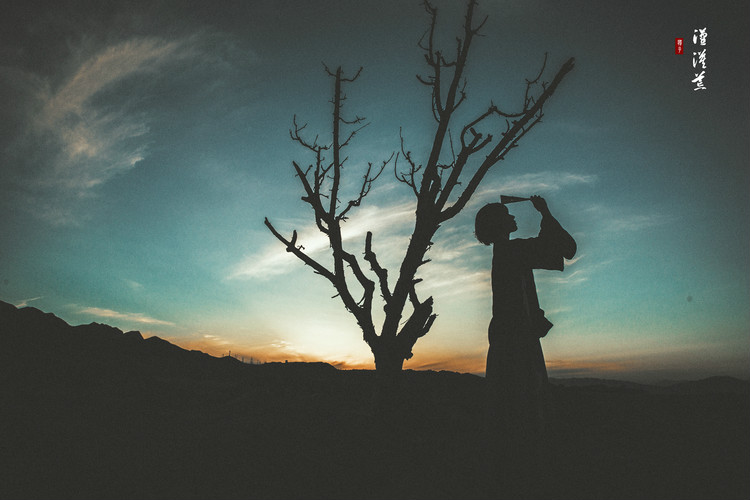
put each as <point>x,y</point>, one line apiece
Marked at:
<point>389,361</point>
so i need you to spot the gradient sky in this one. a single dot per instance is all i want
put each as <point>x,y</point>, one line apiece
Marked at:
<point>142,144</point>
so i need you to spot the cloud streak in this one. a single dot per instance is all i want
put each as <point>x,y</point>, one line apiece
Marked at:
<point>109,314</point>
<point>617,222</point>
<point>25,302</point>
<point>85,143</point>
<point>638,222</point>
<point>455,256</point>
<point>543,182</point>
<point>76,135</point>
<point>388,225</point>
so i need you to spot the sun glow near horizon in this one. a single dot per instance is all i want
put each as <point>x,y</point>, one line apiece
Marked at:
<point>637,367</point>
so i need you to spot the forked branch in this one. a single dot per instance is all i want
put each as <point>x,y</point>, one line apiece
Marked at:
<point>291,246</point>
<point>509,140</point>
<point>379,271</point>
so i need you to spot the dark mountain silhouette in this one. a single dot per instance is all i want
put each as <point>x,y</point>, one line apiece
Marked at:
<point>91,411</point>
<point>600,383</point>
<point>42,338</point>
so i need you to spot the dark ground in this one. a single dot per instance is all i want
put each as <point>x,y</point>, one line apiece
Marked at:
<point>90,412</point>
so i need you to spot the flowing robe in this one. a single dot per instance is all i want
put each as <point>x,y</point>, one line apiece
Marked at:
<point>516,372</point>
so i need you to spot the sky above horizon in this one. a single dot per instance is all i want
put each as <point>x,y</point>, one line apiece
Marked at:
<point>143,143</point>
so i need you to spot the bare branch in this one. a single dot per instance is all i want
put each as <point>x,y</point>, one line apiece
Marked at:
<point>509,140</point>
<point>462,97</point>
<point>429,82</point>
<point>381,273</point>
<point>432,11</point>
<point>413,294</point>
<point>291,247</point>
<point>413,168</point>
<point>336,145</point>
<point>351,134</point>
<point>359,71</point>
<point>367,284</point>
<point>313,197</point>
<point>355,121</point>
<point>444,107</point>
<point>367,181</point>
<point>475,144</point>
<point>333,73</point>
<point>418,324</point>
<point>435,60</point>
<point>297,137</point>
<point>530,83</point>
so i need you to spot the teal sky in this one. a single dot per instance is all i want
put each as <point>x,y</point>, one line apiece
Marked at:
<point>143,143</point>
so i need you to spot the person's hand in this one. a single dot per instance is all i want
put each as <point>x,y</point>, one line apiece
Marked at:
<point>540,204</point>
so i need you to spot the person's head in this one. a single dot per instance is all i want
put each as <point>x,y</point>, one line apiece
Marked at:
<point>494,223</point>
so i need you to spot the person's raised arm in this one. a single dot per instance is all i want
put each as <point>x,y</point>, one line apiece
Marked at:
<point>560,237</point>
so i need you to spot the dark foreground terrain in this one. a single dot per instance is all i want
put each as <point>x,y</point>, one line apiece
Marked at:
<point>92,412</point>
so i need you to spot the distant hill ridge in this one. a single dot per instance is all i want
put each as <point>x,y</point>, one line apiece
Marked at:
<point>31,339</point>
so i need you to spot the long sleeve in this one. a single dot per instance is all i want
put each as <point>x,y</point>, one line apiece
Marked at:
<point>554,235</point>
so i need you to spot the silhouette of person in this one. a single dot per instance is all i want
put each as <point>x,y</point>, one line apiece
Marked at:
<point>516,373</point>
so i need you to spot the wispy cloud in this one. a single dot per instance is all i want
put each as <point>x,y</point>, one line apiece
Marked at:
<point>577,270</point>
<point>574,260</point>
<point>25,302</point>
<point>619,220</point>
<point>133,285</point>
<point>76,135</point>
<point>387,224</point>
<point>216,339</point>
<point>80,143</point>
<point>456,267</point>
<point>211,343</point>
<point>453,269</point>
<point>126,316</point>
<point>638,222</point>
<point>542,182</point>
<point>570,278</point>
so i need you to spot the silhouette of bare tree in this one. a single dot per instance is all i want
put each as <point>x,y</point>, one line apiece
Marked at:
<point>434,184</point>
